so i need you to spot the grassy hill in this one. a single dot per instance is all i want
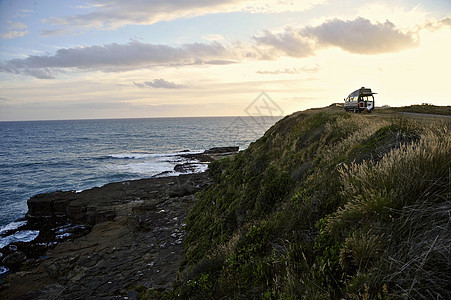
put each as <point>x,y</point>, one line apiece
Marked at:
<point>425,109</point>
<point>326,205</point>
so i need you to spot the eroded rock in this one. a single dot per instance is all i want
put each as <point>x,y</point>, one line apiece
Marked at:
<point>139,245</point>
<point>14,259</point>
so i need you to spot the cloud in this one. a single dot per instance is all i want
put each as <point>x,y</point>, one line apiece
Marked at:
<point>436,25</point>
<point>290,43</point>
<point>291,71</point>
<point>284,71</point>
<point>112,14</point>
<point>160,84</point>
<point>119,57</point>
<point>17,25</point>
<point>358,36</point>
<point>16,29</point>
<point>23,13</point>
<point>13,34</point>
<point>361,36</point>
<point>446,22</point>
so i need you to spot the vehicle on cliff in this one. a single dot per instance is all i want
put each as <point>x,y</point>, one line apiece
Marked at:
<point>361,100</point>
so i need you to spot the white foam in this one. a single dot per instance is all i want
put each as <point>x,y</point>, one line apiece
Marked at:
<point>3,270</point>
<point>67,227</point>
<point>193,168</point>
<point>154,164</point>
<point>143,168</point>
<point>151,155</point>
<point>20,236</point>
<point>12,226</point>
<point>131,155</point>
<point>200,167</point>
<point>63,235</point>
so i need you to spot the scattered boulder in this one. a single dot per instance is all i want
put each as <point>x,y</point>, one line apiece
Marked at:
<point>14,259</point>
<point>186,167</point>
<point>188,188</point>
<point>216,150</point>
<point>176,191</point>
<point>212,154</point>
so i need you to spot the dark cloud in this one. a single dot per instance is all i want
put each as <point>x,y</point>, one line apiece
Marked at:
<point>356,36</point>
<point>361,36</point>
<point>160,84</point>
<point>116,57</point>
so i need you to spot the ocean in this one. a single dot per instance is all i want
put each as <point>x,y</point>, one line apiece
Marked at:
<point>45,156</point>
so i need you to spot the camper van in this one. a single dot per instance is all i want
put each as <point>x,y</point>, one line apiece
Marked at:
<point>361,100</point>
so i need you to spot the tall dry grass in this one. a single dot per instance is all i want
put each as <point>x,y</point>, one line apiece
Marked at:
<point>396,222</point>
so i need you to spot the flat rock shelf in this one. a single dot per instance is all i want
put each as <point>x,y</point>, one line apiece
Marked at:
<point>120,237</point>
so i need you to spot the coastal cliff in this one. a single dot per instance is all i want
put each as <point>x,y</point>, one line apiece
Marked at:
<point>326,205</point>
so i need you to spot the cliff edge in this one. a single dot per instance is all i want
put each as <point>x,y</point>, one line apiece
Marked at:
<point>326,205</point>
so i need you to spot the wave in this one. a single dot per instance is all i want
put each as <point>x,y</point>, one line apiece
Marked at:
<point>152,164</point>
<point>3,270</point>
<point>20,236</point>
<point>196,167</point>
<point>11,226</point>
<point>141,155</point>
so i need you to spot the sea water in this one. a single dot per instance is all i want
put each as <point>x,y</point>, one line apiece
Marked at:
<point>45,156</point>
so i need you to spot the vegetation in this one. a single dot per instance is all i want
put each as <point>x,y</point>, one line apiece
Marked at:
<point>424,108</point>
<point>326,204</point>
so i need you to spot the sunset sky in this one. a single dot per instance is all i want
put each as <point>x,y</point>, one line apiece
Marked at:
<point>173,58</point>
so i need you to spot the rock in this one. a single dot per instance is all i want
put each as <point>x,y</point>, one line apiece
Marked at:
<point>48,204</point>
<point>76,212</point>
<point>180,168</point>
<point>120,251</point>
<point>14,259</point>
<point>212,154</point>
<point>222,150</point>
<point>60,207</point>
<point>190,188</point>
<point>186,167</point>
<point>177,191</point>
<point>185,189</point>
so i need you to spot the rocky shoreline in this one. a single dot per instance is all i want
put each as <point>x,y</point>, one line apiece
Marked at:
<point>106,242</point>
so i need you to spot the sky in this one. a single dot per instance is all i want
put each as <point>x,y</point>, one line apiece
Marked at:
<point>187,58</point>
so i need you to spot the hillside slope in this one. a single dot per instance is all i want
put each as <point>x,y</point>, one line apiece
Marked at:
<point>326,204</point>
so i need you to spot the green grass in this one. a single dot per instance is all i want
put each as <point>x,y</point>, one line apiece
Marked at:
<point>326,205</point>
